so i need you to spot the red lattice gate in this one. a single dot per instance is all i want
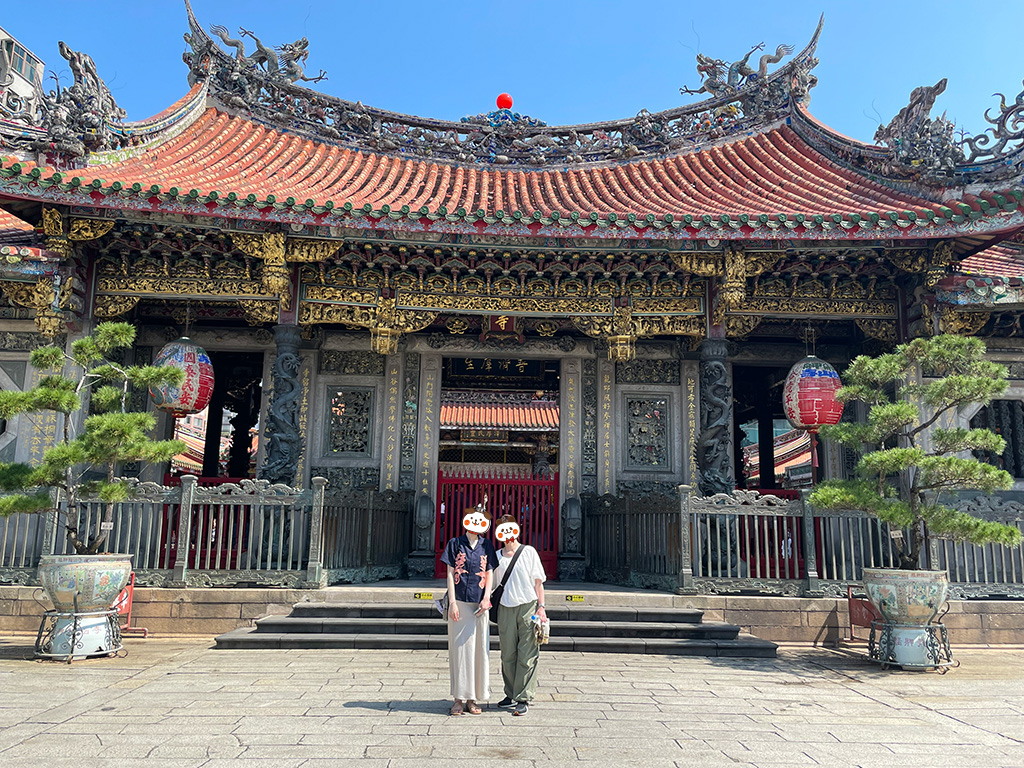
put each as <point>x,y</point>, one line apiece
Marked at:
<point>532,499</point>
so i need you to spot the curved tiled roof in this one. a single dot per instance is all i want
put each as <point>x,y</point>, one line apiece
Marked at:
<point>540,415</point>
<point>997,261</point>
<point>770,173</point>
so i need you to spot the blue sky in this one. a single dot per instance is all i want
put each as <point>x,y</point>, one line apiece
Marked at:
<point>563,62</point>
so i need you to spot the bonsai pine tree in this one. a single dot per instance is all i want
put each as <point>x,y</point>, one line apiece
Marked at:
<point>110,435</point>
<point>903,479</point>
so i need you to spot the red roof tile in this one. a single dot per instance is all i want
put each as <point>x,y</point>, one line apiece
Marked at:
<point>539,415</point>
<point>771,173</point>
<point>999,260</point>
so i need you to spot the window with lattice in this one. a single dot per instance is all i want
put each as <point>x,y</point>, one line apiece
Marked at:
<point>349,421</point>
<point>647,434</point>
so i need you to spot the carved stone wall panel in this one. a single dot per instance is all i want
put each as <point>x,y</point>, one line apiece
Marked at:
<point>351,363</point>
<point>691,422</point>
<point>605,426</point>
<point>349,419</point>
<point>647,372</point>
<point>429,425</point>
<point>648,421</point>
<point>570,428</point>
<point>590,415</point>
<point>341,480</point>
<point>411,388</point>
<point>390,470</point>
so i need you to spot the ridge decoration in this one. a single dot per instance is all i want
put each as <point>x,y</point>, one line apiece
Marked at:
<point>264,83</point>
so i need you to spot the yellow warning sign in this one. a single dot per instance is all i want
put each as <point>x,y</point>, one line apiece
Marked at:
<point>574,598</point>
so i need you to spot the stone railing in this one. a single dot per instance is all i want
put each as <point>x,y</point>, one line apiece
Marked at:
<point>748,542</point>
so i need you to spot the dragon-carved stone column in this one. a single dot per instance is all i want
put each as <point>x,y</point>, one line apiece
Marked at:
<point>719,534</point>
<point>714,448</point>
<point>284,440</point>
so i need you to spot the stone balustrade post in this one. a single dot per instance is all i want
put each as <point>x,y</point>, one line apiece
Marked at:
<point>812,586</point>
<point>188,492</point>
<point>685,584</point>
<point>315,565</point>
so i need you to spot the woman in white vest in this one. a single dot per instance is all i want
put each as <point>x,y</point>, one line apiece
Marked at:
<point>521,599</point>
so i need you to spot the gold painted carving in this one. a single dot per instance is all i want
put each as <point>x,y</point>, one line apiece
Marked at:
<point>785,307</point>
<point>547,327</point>
<point>623,328</point>
<point>910,261</point>
<point>114,306</point>
<point>270,248</point>
<point>89,229</point>
<point>884,330</point>
<point>699,264</point>
<point>53,222</point>
<point>53,228</point>
<point>303,250</point>
<point>734,287</point>
<point>961,323</point>
<point>41,297</point>
<point>738,326</point>
<point>942,258</point>
<point>931,265</point>
<point>346,295</point>
<point>258,312</point>
<point>457,325</point>
<point>507,305</point>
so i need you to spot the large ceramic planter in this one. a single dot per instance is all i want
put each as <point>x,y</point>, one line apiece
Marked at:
<point>83,584</point>
<point>908,598</point>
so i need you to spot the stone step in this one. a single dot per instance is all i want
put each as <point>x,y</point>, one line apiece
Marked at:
<point>435,626</point>
<point>745,646</point>
<point>420,610</point>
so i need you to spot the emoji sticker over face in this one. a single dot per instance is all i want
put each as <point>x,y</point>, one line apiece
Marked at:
<point>507,531</point>
<point>476,521</point>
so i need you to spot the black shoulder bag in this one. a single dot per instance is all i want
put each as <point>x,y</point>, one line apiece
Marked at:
<point>496,593</point>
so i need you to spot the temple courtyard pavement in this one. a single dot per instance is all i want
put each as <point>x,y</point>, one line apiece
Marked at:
<point>178,703</point>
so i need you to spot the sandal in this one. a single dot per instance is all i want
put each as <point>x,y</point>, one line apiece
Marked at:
<point>473,708</point>
<point>456,708</point>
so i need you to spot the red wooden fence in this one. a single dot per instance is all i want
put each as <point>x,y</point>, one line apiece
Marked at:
<point>531,499</point>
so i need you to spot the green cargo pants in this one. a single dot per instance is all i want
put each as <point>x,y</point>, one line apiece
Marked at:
<point>519,650</point>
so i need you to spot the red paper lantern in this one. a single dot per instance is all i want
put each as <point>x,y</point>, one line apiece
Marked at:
<point>197,387</point>
<point>504,101</point>
<point>809,395</point>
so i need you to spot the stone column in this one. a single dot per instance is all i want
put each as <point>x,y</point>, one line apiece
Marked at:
<point>421,560</point>
<point>570,551</point>
<point>392,423</point>
<point>605,432</point>
<point>714,447</point>
<point>284,438</point>
<point>715,456</point>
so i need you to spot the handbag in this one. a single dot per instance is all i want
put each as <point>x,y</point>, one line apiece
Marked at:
<point>496,594</point>
<point>442,606</point>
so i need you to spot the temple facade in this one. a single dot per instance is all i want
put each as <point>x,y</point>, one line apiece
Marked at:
<point>497,305</point>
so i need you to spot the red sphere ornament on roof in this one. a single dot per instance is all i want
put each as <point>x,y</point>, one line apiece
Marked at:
<point>504,101</point>
<point>809,396</point>
<point>197,387</point>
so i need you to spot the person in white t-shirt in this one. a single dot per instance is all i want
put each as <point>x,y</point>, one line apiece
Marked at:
<point>523,597</point>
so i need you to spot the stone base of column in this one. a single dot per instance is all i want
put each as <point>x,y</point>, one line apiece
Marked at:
<point>572,568</point>
<point>422,565</point>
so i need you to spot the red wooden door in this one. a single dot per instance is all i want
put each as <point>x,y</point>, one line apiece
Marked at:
<point>531,499</point>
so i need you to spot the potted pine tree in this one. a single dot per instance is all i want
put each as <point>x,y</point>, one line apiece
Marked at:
<point>914,465</point>
<point>91,392</point>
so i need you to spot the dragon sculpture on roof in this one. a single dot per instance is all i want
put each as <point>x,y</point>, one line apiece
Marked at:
<point>719,78</point>
<point>283,62</point>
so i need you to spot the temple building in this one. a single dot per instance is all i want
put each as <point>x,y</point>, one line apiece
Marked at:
<point>539,312</point>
